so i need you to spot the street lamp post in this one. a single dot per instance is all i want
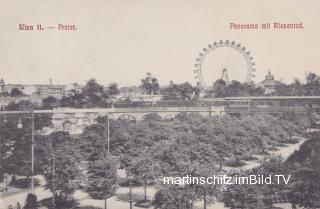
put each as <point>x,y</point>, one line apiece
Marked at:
<point>20,125</point>
<point>130,191</point>
<point>6,178</point>
<point>53,186</point>
<point>105,203</point>
<point>3,108</point>
<point>108,151</point>
<point>32,153</point>
<point>128,170</point>
<point>108,139</point>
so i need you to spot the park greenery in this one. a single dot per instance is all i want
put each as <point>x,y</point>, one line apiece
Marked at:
<point>189,144</point>
<point>303,190</point>
<point>305,164</point>
<point>153,147</point>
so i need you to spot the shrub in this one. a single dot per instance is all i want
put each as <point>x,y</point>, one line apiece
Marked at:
<point>144,204</point>
<point>126,197</point>
<point>249,158</point>
<point>290,141</point>
<point>59,203</point>
<point>126,183</point>
<point>31,202</point>
<point>234,162</point>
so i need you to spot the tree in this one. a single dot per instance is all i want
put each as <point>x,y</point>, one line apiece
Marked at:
<point>50,103</point>
<point>187,91</point>
<point>15,92</point>
<point>171,197</point>
<point>19,162</point>
<point>60,174</point>
<point>205,192</point>
<point>59,162</point>
<point>170,92</point>
<point>145,169</point>
<point>40,121</point>
<point>31,202</point>
<point>309,88</point>
<point>183,91</point>
<point>102,178</point>
<point>92,142</point>
<point>312,78</point>
<point>94,94</point>
<point>112,90</point>
<point>218,89</point>
<point>235,88</point>
<point>308,155</point>
<point>305,166</point>
<point>119,133</point>
<point>21,105</point>
<point>5,146</point>
<point>305,190</point>
<point>92,87</point>
<point>245,196</point>
<point>273,166</point>
<point>150,84</point>
<point>76,100</point>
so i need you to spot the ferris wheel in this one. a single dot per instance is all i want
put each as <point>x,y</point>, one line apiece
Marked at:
<point>250,64</point>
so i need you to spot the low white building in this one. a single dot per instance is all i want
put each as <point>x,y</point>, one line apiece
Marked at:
<point>135,93</point>
<point>72,88</point>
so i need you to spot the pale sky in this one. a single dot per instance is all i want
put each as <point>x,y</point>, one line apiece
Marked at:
<point>120,40</point>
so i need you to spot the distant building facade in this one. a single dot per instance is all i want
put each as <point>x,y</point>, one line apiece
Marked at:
<point>34,91</point>
<point>135,93</point>
<point>2,86</point>
<point>46,90</point>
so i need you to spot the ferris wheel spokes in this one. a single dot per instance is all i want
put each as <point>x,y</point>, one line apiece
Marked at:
<point>231,44</point>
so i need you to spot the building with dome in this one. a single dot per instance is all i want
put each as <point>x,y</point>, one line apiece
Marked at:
<point>269,84</point>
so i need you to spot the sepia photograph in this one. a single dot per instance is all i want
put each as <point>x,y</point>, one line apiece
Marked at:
<point>159,104</point>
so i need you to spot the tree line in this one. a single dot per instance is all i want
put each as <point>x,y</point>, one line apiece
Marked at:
<point>94,94</point>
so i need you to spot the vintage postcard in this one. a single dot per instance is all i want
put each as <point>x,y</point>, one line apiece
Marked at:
<point>160,104</point>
